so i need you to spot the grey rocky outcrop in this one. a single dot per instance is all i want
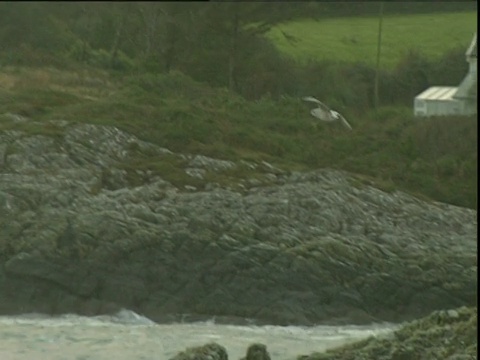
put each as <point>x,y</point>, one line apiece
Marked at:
<point>77,235</point>
<point>257,352</point>
<point>211,351</point>
<point>450,335</point>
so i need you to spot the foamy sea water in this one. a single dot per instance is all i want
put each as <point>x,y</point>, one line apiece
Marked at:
<point>129,336</point>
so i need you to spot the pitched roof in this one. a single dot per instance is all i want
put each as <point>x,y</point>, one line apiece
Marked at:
<point>438,93</point>
<point>472,49</point>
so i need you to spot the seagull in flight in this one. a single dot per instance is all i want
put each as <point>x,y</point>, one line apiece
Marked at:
<point>324,113</point>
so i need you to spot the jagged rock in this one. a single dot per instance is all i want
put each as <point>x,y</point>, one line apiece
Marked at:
<point>15,117</point>
<point>312,247</point>
<point>204,162</point>
<point>196,173</point>
<point>257,352</point>
<point>437,336</point>
<point>3,151</point>
<point>210,351</point>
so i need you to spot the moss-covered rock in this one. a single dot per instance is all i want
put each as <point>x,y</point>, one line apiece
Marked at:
<point>450,335</point>
<point>257,352</point>
<point>210,351</point>
<point>301,248</point>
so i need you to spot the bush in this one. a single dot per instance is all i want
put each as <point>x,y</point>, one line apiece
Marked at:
<point>173,84</point>
<point>411,76</point>
<point>450,69</point>
<point>82,52</point>
<point>264,70</point>
<point>447,165</point>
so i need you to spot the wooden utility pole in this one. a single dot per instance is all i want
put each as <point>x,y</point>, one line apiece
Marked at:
<point>233,53</point>
<point>377,69</point>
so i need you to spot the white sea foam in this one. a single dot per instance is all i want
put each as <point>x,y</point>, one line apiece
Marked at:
<point>127,335</point>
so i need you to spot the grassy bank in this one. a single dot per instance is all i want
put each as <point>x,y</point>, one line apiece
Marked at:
<point>435,158</point>
<point>355,39</point>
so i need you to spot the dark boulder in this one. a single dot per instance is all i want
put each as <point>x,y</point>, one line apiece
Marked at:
<point>210,351</point>
<point>257,352</point>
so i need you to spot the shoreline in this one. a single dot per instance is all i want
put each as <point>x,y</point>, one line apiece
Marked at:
<point>44,337</point>
<point>444,334</point>
<point>129,317</point>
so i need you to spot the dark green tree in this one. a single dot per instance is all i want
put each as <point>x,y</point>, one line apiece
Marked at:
<point>235,26</point>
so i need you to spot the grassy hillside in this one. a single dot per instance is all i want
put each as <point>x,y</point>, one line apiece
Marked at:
<point>436,158</point>
<point>355,39</point>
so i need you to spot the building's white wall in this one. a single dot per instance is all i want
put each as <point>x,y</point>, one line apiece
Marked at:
<point>420,107</point>
<point>472,68</point>
<point>437,107</point>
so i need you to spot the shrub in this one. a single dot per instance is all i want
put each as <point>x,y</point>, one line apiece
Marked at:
<point>411,75</point>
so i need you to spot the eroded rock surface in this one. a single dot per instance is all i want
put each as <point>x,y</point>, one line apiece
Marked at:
<point>450,335</point>
<point>210,351</point>
<point>257,351</point>
<point>302,248</point>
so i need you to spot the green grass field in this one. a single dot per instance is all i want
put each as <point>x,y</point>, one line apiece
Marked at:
<point>355,39</point>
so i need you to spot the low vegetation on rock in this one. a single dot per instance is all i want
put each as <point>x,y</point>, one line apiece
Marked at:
<point>435,158</point>
<point>448,334</point>
<point>210,351</point>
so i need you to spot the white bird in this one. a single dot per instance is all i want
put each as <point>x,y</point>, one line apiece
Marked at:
<point>324,113</point>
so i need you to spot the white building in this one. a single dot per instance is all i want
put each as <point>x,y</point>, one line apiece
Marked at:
<point>449,100</point>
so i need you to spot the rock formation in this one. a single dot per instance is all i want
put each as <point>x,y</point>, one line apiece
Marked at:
<point>210,351</point>
<point>446,334</point>
<point>85,228</point>
<point>257,352</point>
<point>449,335</point>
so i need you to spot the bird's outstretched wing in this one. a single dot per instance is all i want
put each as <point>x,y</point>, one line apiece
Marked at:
<point>311,99</point>
<point>318,102</point>
<point>344,121</point>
